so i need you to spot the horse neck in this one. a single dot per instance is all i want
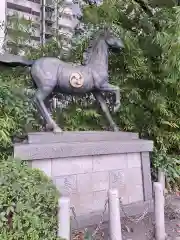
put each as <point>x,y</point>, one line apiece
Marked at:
<point>100,55</point>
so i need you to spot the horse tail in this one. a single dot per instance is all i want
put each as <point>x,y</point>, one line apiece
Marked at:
<point>15,61</point>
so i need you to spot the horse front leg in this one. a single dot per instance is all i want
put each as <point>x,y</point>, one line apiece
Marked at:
<point>105,109</point>
<point>40,96</point>
<point>115,89</point>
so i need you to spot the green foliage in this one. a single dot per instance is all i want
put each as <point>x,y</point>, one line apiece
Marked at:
<point>16,110</point>
<point>86,118</point>
<point>147,72</point>
<point>169,164</point>
<point>19,30</point>
<point>77,114</point>
<point>28,203</point>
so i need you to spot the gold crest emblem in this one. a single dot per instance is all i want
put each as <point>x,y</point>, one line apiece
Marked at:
<point>76,80</point>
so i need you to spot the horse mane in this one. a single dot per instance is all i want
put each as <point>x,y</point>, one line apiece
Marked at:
<point>92,44</point>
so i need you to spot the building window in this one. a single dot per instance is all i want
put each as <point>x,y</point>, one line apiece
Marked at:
<point>35,1</point>
<point>35,38</point>
<point>22,9</point>
<point>35,13</point>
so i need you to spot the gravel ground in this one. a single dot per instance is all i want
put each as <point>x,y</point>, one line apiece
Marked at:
<point>144,230</point>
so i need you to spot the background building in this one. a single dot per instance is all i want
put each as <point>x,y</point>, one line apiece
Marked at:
<point>2,21</point>
<point>44,20</point>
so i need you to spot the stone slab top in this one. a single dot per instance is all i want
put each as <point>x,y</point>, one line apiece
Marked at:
<point>78,149</point>
<point>79,136</point>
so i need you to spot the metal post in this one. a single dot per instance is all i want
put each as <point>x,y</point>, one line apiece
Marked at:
<point>64,218</point>
<point>3,22</point>
<point>161,177</point>
<point>159,212</point>
<point>42,22</point>
<point>114,215</point>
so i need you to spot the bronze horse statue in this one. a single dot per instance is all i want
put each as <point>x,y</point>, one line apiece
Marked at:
<point>51,75</point>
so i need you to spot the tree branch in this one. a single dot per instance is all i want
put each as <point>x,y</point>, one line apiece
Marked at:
<point>148,11</point>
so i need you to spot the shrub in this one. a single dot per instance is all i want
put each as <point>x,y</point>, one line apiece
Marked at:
<point>28,203</point>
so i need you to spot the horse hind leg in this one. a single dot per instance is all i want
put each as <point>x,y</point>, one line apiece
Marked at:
<point>40,97</point>
<point>105,109</point>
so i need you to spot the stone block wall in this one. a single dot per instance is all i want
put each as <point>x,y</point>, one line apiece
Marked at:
<point>84,165</point>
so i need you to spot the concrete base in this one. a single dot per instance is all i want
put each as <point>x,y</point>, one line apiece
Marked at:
<point>84,165</point>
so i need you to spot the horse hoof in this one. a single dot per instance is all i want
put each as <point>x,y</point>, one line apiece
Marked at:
<point>57,130</point>
<point>116,109</point>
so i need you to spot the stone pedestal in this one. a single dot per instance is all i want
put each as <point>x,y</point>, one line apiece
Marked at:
<point>84,165</point>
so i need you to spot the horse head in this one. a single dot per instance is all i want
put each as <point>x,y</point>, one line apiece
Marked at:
<point>114,43</point>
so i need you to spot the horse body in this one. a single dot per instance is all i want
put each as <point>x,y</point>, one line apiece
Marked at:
<point>84,76</point>
<point>50,74</point>
<point>53,73</point>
